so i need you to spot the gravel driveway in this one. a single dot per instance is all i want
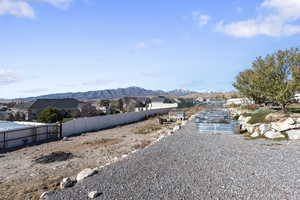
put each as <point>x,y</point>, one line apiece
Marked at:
<point>190,165</point>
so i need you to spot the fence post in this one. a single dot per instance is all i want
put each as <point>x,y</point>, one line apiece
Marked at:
<point>60,130</point>
<point>4,140</point>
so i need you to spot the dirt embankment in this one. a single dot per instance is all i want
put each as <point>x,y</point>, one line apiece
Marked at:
<point>26,173</point>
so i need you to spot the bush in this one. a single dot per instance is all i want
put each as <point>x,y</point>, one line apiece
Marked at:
<point>50,115</point>
<point>236,117</point>
<point>250,107</point>
<point>147,129</point>
<point>259,116</point>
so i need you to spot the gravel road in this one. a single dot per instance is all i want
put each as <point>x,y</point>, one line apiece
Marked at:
<point>190,165</point>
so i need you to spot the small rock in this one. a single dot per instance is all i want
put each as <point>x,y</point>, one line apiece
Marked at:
<point>85,173</point>
<point>44,196</point>
<point>255,134</point>
<point>67,182</point>
<point>65,139</point>
<point>273,135</point>
<point>293,134</point>
<point>176,128</point>
<point>94,194</point>
<point>290,121</point>
<point>263,128</point>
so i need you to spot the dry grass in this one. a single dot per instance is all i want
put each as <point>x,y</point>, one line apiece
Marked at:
<point>149,128</point>
<point>29,189</point>
<point>142,145</point>
<point>103,142</point>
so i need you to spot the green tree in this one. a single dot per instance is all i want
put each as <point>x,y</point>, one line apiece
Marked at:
<point>275,77</point>
<point>50,115</point>
<point>246,84</point>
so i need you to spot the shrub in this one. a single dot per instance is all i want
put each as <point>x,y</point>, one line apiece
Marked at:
<point>147,129</point>
<point>250,107</point>
<point>50,115</point>
<point>236,117</point>
<point>259,116</point>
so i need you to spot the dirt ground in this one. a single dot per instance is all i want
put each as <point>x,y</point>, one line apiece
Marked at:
<point>26,173</point>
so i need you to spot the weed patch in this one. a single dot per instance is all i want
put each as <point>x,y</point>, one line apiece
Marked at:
<point>54,157</point>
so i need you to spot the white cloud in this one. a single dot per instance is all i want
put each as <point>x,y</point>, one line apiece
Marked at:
<point>200,19</point>
<point>17,8</point>
<point>58,3</point>
<point>23,8</point>
<point>8,77</point>
<point>278,19</point>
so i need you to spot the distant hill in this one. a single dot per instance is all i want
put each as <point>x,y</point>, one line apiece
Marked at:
<point>111,94</point>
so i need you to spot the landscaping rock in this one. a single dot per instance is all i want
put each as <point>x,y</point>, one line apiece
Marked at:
<point>94,194</point>
<point>65,139</point>
<point>293,134</point>
<point>275,116</point>
<point>263,128</point>
<point>176,128</point>
<point>255,134</point>
<point>251,127</point>
<point>85,173</point>
<point>290,121</point>
<point>44,196</point>
<point>67,182</point>
<point>285,125</point>
<point>273,135</point>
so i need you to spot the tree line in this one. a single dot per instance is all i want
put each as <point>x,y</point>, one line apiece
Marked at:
<point>274,78</point>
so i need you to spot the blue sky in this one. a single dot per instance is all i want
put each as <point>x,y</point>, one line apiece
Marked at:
<point>50,46</point>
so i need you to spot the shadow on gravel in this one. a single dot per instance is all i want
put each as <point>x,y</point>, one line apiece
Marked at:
<point>54,157</point>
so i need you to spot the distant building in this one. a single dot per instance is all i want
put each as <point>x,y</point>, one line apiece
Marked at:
<point>297,97</point>
<point>239,101</point>
<point>67,106</point>
<point>177,115</point>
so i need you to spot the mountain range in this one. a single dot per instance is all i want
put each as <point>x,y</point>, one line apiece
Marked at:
<point>111,94</point>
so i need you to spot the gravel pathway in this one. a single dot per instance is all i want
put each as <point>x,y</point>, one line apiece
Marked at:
<point>190,165</point>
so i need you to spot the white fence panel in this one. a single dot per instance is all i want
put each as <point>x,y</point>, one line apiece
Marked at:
<point>87,124</point>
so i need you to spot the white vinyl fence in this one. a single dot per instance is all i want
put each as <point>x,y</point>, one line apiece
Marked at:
<point>43,132</point>
<point>86,124</point>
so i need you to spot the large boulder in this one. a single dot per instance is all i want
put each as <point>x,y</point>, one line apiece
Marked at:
<point>243,119</point>
<point>285,125</point>
<point>255,134</point>
<point>293,134</point>
<point>275,116</point>
<point>263,128</point>
<point>273,135</point>
<point>251,127</point>
<point>85,173</point>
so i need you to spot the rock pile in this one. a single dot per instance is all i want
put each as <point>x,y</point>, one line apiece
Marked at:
<point>289,128</point>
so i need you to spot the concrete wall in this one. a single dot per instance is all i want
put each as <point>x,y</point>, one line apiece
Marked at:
<point>82,125</point>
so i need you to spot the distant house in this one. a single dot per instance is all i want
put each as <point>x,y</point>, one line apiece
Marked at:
<point>177,115</point>
<point>162,102</point>
<point>67,106</point>
<point>239,101</point>
<point>297,97</point>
